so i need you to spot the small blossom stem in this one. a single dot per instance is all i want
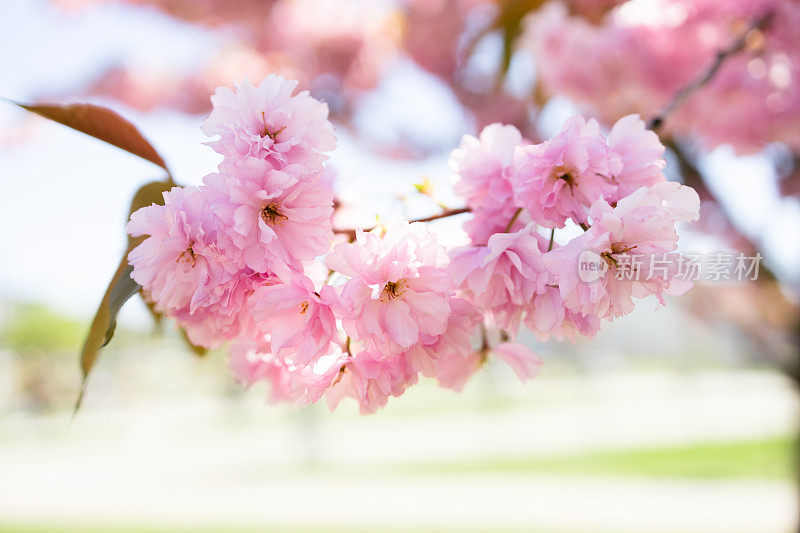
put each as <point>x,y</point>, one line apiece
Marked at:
<point>584,226</point>
<point>444,214</point>
<point>347,347</point>
<point>513,219</point>
<point>552,239</point>
<point>484,351</point>
<point>707,75</point>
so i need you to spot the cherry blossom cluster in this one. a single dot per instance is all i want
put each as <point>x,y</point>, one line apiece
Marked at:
<point>611,187</point>
<point>235,261</point>
<point>636,58</point>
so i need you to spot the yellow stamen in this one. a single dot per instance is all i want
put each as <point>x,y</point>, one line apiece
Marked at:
<point>271,215</point>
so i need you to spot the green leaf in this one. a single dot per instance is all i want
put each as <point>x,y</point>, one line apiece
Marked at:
<point>119,290</point>
<point>509,22</point>
<point>101,123</point>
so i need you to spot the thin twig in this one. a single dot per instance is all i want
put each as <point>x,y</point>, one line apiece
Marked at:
<point>513,219</point>
<point>350,232</point>
<point>707,75</point>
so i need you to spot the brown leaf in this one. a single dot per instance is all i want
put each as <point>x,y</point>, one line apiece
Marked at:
<point>119,290</point>
<point>101,123</point>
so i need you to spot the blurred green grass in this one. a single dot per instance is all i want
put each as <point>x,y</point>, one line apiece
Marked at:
<point>767,459</point>
<point>770,459</point>
<point>35,327</point>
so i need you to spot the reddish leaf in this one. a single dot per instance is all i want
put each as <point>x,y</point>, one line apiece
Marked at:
<point>101,123</point>
<point>119,290</point>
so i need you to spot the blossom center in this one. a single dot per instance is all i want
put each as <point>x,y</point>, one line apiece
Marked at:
<point>565,175</point>
<point>187,256</point>
<point>393,290</point>
<point>616,248</point>
<point>303,307</point>
<point>265,129</point>
<point>271,214</point>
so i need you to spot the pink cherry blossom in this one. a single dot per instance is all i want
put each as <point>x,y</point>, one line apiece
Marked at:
<point>231,261</point>
<point>398,289</point>
<point>483,165</point>
<point>298,319</point>
<point>214,325</point>
<point>451,359</point>
<point>252,361</point>
<point>371,379</point>
<point>269,123</point>
<point>271,217</point>
<point>560,178</point>
<point>642,226</point>
<point>641,153</point>
<point>453,369</point>
<point>548,318</point>
<point>525,364</point>
<point>483,170</point>
<point>504,276</point>
<point>185,271</point>
<point>180,264</point>
<point>367,378</point>
<point>457,338</point>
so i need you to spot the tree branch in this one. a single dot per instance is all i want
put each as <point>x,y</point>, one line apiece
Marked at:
<point>707,75</point>
<point>768,281</point>
<point>350,232</point>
